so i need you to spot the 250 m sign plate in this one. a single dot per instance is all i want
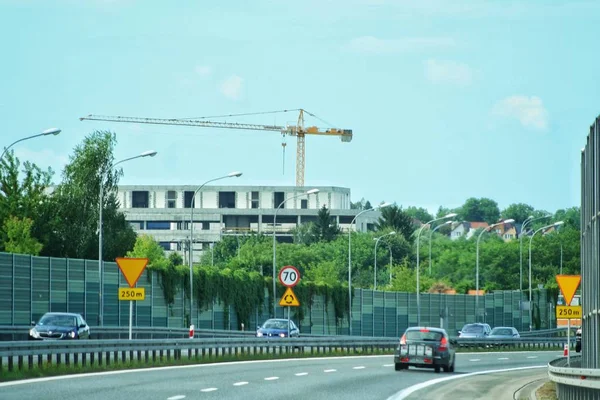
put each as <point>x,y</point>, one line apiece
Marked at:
<point>132,293</point>
<point>568,312</point>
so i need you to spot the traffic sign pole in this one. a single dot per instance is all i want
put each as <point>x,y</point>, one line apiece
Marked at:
<point>132,269</point>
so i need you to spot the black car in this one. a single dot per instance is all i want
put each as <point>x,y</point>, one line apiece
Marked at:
<point>425,348</point>
<point>60,326</point>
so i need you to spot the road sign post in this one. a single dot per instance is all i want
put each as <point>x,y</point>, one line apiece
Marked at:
<point>289,277</point>
<point>132,269</point>
<point>568,285</point>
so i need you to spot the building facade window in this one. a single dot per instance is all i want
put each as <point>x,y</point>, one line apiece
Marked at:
<point>165,245</point>
<point>278,199</point>
<point>139,199</point>
<point>171,199</point>
<point>254,200</point>
<point>205,226</point>
<point>158,225</point>
<point>137,225</point>
<point>187,199</point>
<point>226,199</point>
<point>304,204</point>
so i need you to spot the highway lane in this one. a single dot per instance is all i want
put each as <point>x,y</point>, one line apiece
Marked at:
<point>369,377</point>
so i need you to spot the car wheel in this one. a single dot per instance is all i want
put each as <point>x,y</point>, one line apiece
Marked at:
<point>398,366</point>
<point>437,369</point>
<point>446,368</point>
<point>451,369</point>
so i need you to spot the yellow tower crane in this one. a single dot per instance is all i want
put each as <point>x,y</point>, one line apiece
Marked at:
<point>297,130</point>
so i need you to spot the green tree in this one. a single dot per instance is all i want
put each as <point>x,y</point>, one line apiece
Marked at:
<point>22,192</point>
<point>75,227</point>
<point>18,237</point>
<point>419,213</point>
<point>325,227</point>
<point>571,217</point>
<point>303,234</point>
<point>518,211</point>
<point>396,219</point>
<point>477,210</point>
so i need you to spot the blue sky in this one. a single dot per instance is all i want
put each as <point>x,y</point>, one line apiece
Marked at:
<point>447,99</point>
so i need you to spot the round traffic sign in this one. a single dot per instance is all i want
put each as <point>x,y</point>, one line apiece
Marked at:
<point>289,276</point>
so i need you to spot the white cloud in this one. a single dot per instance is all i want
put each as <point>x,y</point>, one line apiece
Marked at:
<point>232,87</point>
<point>530,111</point>
<point>443,71</point>
<point>371,44</point>
<point>203,70</point>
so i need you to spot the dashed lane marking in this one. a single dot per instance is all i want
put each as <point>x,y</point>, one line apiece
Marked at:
<point>388,365</point>
<point>209,390</point>
<point>503,358</point>
<point>475,359</point>
<point>361,367</point>
<point>240,383</point>
<point>272,378</point>
<point>330,370</point>
<point>178,397</point>
<point>302,373</point>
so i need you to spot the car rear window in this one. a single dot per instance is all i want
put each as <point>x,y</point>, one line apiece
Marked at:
<point>503,332</point>
<point>421,335</point>
<point>473,329</point>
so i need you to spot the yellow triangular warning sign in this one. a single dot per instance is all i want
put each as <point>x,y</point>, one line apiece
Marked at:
<point>568,285</point>
<point>132,268</point>
<point>289,299</point>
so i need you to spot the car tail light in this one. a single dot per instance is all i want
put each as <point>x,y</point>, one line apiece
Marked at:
<point>443,344</point>
<point>425,330</point>
<point>403,339</point>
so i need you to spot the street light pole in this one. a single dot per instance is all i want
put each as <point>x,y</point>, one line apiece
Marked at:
<point>150,153</point>
<point>350,262</point>
<point>308,192</point>
<point>451,215</point>
<point>391,259</point>
<point>431,237</point>
<point>51,131</point>
<point>376,243</point>
<point>234,174</point>
<point>530,293</point>
<point>527,221</point>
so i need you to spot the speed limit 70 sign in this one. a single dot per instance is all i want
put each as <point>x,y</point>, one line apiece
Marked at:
<point>289,276</point>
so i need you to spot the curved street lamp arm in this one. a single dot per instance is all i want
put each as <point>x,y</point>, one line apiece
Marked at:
<point>45,133</point>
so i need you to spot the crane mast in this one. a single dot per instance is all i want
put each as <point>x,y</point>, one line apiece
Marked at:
<point>299,131</point>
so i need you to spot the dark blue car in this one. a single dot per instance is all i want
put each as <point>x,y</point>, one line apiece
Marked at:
<point>277,328</point>
<point>60,326</point>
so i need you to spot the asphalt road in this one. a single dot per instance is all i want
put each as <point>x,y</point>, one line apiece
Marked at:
<point>369,377</point>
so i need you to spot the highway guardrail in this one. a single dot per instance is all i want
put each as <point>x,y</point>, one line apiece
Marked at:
<point>29,354</point>
<point>572,381</point>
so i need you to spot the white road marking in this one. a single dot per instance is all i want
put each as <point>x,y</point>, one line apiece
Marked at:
<point>503,358</point>
<point>209,390</point>
<point>272,378</point>
<point>240,383</point>
<point>301,373</point>
<point>178,397</point>
<point>532,357</point>
<point>388,365</point>
<point>330,370</point>
<point>361,367</point>
<point>475,359</point>
<point>403,394</point>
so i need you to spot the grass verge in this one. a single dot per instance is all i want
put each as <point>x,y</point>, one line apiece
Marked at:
<point>547,391</point>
